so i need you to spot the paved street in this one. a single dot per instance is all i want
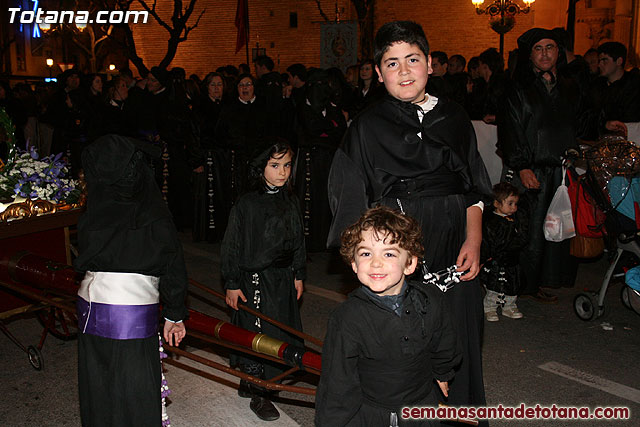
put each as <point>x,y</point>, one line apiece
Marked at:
<point>549,357</point>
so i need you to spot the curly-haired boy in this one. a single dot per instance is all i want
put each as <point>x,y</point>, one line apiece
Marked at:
<point>391,340</point>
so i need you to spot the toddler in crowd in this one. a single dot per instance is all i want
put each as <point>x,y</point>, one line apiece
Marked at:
<point>504,234</point>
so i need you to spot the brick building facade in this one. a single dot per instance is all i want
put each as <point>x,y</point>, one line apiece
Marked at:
<point>451,25</point>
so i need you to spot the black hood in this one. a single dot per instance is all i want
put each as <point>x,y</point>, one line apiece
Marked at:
<point>122,191</point>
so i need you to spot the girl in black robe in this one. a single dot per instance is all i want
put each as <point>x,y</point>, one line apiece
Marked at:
<point>263,264</point>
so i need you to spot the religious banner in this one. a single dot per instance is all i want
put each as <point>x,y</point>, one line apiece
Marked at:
<point>338,44</point>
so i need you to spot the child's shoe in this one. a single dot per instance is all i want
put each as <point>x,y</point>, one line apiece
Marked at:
<point>492,316</point>
<point>264,409</point>
<point>512,313</point>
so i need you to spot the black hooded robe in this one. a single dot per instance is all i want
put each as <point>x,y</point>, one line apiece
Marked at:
<point>127,228</point>
<point>434,179</point>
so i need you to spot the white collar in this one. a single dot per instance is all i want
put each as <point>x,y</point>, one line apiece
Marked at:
<point>249,101</point>
<point>426,106</point>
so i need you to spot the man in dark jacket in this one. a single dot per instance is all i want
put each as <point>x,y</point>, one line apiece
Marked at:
<point>539,123</point>
<point>616,92</point>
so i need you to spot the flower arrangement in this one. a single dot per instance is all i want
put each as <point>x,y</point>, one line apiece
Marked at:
<point>30,177</point>
<point>26,175</point>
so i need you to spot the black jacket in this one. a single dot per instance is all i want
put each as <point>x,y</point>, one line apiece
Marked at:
<point>375,361</point>
<point>619,100</point>
<point>502,240</point>
<point>536,126</point>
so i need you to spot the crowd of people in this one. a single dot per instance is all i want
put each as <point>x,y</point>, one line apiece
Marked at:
<point>392,131</point>
<point>206,127</point>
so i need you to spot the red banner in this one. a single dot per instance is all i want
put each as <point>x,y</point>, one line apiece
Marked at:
<point>242,24</point>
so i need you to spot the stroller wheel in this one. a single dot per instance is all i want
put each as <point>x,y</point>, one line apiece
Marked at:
<point>631,298</point>
<point>624,294</point>
<point>584,306</point>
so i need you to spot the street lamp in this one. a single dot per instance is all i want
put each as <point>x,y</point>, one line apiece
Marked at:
<point>502,15</point>
<point>45,27</point>
<point>49,65</point>
<point>112,67</point>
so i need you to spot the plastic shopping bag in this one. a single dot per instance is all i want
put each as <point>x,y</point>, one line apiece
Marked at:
<point>558,224</point>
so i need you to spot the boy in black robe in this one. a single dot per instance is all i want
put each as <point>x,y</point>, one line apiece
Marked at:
<point>418,153</point>
<point>392,338</point>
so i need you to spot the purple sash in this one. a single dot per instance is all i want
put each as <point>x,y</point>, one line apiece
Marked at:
<point>118,322</point>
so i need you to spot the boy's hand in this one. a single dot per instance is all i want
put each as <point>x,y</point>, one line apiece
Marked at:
<point>299,285</point>
<point>232,298</point>
<point>469,260</point>
<point>444,387</point>
<point>174,332</point>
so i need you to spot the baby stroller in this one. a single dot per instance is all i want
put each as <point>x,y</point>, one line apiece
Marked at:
<point>613,178</point>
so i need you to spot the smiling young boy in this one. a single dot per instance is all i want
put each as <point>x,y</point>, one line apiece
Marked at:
<point>391,341</point>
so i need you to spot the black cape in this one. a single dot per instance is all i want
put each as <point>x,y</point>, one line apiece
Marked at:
<point>127,227</point>
<point>433,179</point>
<point>375,361</point>
<point>382,148</point>
<point>212,186</point>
